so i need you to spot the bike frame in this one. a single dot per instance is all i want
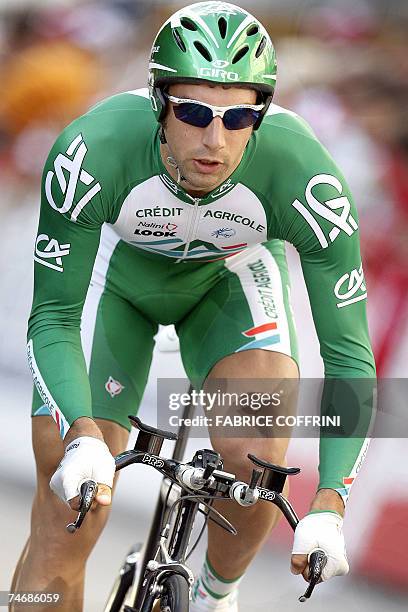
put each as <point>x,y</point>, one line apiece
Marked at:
<point>201,479</point>
<point>153,539</point>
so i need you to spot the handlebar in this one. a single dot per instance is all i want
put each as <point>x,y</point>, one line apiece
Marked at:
<point>205,477</point>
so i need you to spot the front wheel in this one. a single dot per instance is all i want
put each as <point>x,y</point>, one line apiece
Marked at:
<point>124,581</point>
<point>175,596</point>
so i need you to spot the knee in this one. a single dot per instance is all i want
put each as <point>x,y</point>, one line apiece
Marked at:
<point>50,537</point>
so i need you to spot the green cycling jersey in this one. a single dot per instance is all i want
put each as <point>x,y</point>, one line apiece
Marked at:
<point>105,169</point>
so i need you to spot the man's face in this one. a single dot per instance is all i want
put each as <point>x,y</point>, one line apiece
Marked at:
<point>206,156</point>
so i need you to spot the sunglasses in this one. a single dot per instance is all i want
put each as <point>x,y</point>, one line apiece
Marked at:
<point>201,114</point>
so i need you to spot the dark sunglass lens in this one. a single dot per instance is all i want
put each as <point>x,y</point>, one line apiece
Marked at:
<point>239,118</point>
<point>193,114</point>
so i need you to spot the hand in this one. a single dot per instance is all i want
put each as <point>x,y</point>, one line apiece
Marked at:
<point>321,530</point>
<point>85,426</point>
<point>86,457</point>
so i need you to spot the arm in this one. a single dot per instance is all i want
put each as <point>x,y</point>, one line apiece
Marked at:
<point>315,211</point>
<point>326,234</point>
<point>337,293</point>
<point>72,213</point>
<point>65,248</point>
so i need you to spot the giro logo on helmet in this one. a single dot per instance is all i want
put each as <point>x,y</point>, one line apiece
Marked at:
<point>218,73</point>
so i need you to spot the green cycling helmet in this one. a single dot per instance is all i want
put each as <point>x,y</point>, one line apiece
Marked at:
<point>212,41</point>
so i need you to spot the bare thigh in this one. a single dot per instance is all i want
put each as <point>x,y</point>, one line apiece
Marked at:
<point>238,371</point>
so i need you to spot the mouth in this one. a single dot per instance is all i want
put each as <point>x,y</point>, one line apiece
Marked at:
<point>207,166</point>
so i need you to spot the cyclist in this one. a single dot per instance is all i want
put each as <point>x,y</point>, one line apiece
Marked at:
<point>180,216</point>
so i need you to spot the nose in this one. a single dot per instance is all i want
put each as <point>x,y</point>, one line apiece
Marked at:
<point>214,135</point>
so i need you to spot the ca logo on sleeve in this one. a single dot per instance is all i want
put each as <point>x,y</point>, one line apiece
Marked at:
<point>49,253</point>
<point>350,287</point>
<point>71,164</point>
<point>343,221</point>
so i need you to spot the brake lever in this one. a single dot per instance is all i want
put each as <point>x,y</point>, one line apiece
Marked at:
<point>317,562</point>
<point>89,489</point>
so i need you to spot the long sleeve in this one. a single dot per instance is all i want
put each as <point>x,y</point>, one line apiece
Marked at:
<point>317,214</point>
<point>67,241</point>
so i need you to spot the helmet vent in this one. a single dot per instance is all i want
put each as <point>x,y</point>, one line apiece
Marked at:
<point>240,54</point>
<point>188,24</point>
<point>179,41</point>
<point>252,30</point>
<point>222,26</point>
<point>261,47</point>
<point>203,50</point>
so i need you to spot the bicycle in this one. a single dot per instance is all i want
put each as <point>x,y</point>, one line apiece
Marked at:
<point>158,571</point>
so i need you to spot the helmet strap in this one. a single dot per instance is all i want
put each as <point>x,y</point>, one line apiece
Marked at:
<point>267,101</point>
<point>162,135</point>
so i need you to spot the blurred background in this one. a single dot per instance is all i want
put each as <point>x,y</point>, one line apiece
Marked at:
<point>343,66</point>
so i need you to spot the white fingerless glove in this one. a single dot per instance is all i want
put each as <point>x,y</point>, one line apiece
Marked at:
<point>323,530</point>
<point>85,458</point>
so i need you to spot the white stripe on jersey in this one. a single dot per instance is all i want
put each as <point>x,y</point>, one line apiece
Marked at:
<point>109,240</point>
<point>239,265</point>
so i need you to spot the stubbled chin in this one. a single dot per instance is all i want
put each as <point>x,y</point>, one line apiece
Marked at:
<point>203,181</point>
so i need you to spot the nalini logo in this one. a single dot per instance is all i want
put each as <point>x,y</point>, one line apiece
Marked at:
<point>350,288</point>
<point>113,387</point>
<point>70,166</point>
<point>224,232</point>
<point>52,253</point>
